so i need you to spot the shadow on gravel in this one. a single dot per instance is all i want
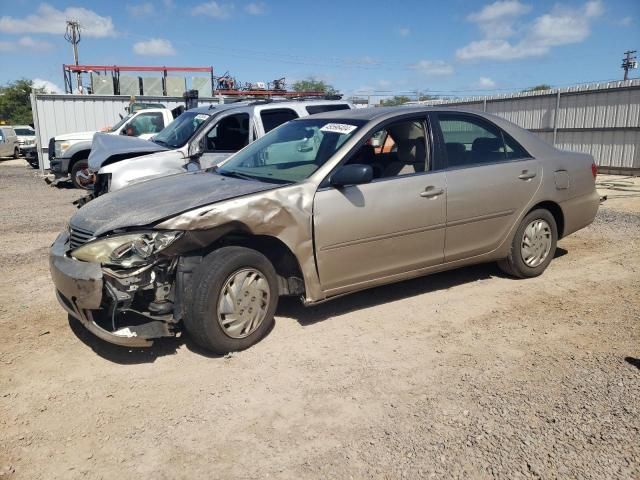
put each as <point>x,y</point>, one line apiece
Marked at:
<point>125,355</point>
<point>293,308</point>
<point>633,361</point>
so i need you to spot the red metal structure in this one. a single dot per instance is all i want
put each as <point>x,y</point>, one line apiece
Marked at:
<point>114,70</point>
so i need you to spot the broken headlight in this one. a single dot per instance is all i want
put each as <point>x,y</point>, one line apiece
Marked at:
<point>126,251</point>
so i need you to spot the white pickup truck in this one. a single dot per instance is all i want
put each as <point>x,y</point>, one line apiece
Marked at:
<point>69,153</point>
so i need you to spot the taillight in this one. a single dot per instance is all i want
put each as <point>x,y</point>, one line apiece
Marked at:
<point>594,169</point>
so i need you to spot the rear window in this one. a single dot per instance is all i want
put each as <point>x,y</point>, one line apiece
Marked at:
<point>313,109</point>
<point>273,118</point>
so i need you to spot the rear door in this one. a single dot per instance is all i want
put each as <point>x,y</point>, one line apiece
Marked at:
<point>490,179</point>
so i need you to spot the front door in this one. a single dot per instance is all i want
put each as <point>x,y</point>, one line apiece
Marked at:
<point>393,225</point>
<point>226,136</point>
<point>490,181</point>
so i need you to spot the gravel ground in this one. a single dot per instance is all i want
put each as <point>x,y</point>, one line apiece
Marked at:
<point>464,374</point>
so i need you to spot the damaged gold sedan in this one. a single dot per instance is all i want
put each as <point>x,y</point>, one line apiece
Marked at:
<point>317,208</point>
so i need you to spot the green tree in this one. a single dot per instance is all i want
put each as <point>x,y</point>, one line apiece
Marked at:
<point>314,85</point>
<point>15,101</point>
<point>395,100</point>
<point>542,86</point>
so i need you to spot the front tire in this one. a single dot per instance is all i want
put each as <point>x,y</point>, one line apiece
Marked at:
<point>232,300</point>
<point>533,246</point>
<point>16,153</point>
<point>80,175</point>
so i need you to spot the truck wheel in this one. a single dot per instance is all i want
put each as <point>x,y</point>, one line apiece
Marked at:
<point>80,175</point>
<point>234,295</point>
<point>16,152</point>
<point>533,245</point>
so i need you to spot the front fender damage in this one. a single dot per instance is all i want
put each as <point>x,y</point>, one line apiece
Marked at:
<point>284,213</point>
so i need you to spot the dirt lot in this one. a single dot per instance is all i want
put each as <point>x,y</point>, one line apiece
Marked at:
<point>461,374</point>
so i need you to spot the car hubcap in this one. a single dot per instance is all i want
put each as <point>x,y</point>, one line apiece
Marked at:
<point>536,243</point>
<point>84,177</point>
<point>243,303</point>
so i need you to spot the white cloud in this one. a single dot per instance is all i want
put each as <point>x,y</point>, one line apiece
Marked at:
<point>26,43</point>
<point>155,47</point>
<point>594,9</point>
<point>486,82</point>
<point>141,9</point>
<point>404,31</point>
<point>213,9</point>
<point>256,8</point>
<point>48,86</point>
<point>499,10</point>
<point>496,20</point>
<point>432,68</point>
<point>626,21</point>
<point>48,19</point>
<point>561,26</point>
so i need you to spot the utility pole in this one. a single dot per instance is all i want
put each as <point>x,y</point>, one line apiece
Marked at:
<point>629,62</point>
<point>72,36</point>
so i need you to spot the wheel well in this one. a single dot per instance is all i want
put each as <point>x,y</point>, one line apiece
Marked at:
<point>280,256</point>
<point>81,155</point>
<point>556,211</point>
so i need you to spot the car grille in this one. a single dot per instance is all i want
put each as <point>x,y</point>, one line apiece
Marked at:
<point>51,151</point>
<point>78,236</point>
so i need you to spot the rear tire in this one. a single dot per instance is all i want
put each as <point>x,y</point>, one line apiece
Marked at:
<point>80,175</point>
<point>533,246</point>
<point>232,300</point>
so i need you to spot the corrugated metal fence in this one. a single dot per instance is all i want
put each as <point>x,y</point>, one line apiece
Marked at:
<point>600,119</point>
<point>59,114</point>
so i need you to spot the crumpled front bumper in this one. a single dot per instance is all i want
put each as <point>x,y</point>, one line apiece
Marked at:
<point>79,288</point>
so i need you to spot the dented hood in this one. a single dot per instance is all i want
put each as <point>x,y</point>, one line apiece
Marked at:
<point>106,145</point>
<point>149,202</point>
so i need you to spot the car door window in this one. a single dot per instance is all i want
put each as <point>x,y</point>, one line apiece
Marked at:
<point>145,123</point>
<point>396,150</point>
<point>230,134</point>
<point>472,141</point>
<point>272,118</point>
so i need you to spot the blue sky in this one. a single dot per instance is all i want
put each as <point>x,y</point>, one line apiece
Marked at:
<point>449,48</point>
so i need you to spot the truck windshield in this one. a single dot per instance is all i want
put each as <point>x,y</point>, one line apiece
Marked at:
<point>291,152</point>
<point>178,132</point>
<point>120,123</point>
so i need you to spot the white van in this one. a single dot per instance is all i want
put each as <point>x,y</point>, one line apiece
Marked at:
<point>9,142</point>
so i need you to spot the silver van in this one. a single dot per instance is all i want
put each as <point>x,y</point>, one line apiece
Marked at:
<point>9,142</point>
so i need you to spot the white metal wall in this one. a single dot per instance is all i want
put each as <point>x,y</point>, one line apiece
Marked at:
<point>600,119</point>
<point>59,114</point>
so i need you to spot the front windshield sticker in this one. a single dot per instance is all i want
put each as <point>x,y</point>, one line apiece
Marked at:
<point>338,128</point>
<point>201,116</point>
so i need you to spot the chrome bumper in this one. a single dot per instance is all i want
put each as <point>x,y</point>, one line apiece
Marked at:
<point>79,289</point>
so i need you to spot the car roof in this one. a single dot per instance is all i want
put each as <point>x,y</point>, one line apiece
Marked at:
<point>257,103</point>
<point>531,142</point>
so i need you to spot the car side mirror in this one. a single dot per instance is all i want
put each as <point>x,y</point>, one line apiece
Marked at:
<point>196,149</point>
<point>355,174</point>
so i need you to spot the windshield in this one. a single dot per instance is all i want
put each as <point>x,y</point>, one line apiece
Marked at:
<point>291,152</point>
<point>178,132</point>
<point>25,132</point>
<point>120,123</point>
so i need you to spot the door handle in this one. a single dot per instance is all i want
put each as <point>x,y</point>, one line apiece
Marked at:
<point>431,192</point>
<point>526,175</point>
